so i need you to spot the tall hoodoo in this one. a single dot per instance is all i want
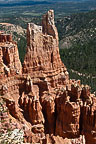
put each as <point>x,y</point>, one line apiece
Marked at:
<point>48,25</point>
<point>42,46</point>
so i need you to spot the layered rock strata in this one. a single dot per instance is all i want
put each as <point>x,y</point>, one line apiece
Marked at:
<point>49,106</point>
<point>5,38</point>
<point>9,57</point>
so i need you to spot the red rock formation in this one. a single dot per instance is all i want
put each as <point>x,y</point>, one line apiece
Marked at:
<point>50,107</point>
<point>42,46</point>
<point>5,38</point>
<point>9,58</point>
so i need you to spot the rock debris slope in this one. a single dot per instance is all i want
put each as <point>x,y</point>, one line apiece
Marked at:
<point>45,103</point>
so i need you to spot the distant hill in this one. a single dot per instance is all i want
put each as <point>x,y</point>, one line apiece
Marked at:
<point>10,3</point>
<point>19,1</point>
<point>38,0</point>
<point>76,28</point>
<point>77,35</point>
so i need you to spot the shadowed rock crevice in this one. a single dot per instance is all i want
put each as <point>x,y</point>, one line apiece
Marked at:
<point>6,59</point>
<point>81,121</point>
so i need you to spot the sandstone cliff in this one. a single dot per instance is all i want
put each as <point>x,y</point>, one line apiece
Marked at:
<point>46,104</point>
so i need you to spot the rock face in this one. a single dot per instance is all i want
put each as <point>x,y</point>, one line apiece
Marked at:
<point>49,106</point>
<point>9,57</point>
<point>5,38</point>
<point>42,46</point>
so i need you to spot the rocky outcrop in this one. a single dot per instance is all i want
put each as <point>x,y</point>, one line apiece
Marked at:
<point>9,57</point>
<point>42,46</point>
<point>5,38</point>
<point>49,107</point>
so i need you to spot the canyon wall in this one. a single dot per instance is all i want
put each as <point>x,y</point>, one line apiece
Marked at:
<point>46,104</point>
